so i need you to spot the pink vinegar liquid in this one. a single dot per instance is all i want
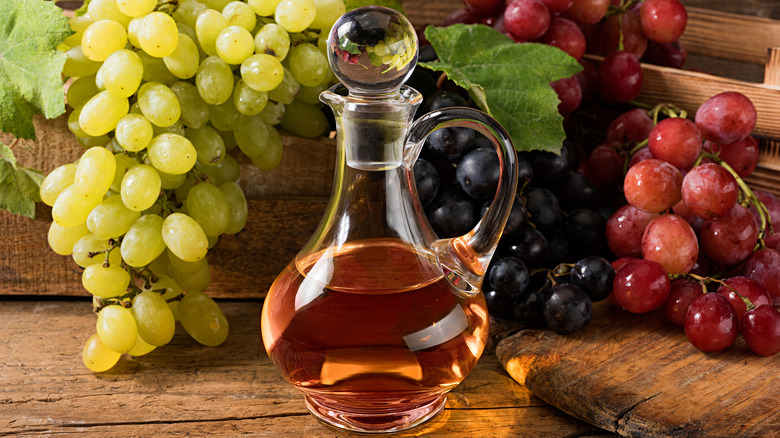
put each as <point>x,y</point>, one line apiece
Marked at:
<point>372,330</point>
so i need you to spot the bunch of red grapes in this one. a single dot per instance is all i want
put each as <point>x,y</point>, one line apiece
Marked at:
<point>690,218</point>
<point>623,31</point>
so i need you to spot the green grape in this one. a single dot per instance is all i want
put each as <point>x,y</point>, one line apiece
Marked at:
<point>263,8</point>
<point>209,207</point>
<point>78,65</point>
<point>80,91</point>
<point>136,8</point>
<point>102,112</point>
<point>78,23</point>
<point>184,60</point>
<point>133,132</point>
<point>102,38</point>
<point>187,12</point>
<point>311,95</point>
<point>238,207</point>
<point>308,65</point>
<point>194,111</point>
<point>224,117</point>
<point>214,80</point>
<point>247,100</point>
<point>116,328</point>
<point>172,153</point>
<point>190,32</point>
<point>56,181</point>
<point>153,318</point>
<point>269,159</point>
<point>328,12</point>
<point>140,187</point>
<point>202,318</point>
<point>286,91</point>
<point>105,281</point>
<point>94,172</point>
<point>216,4</point>
<point>155,69</point>
<point>304,119</point>
<point>61,239</point>
<point>227,170</point>
<point>72,208</point>
<point>172,292</point>
<point>97,357</point>
<point>209,24</point>
<point>322,42</point>
<point>159,266</point>
<point>123,164</point>
<point>273,113</point>
<point>263,72</point>
<point>141,347</point>
<point>111,219</point>
<point>177,128</point>
<point>144,241</point>
<point>295,15</point>
<point>158,34</point>
<point>234,44</point>
<point>88,251</point>
<point>208,144</point>
<point>169,181</point>
<point>132,31</point>
<point>213,240</point>
<point>272,40</point>
<point>99,83</point>
<point>189,182</point>
<point>229,139</point>
<point>73,123</point>
<point>159,104</point>
<point>198,281</point>
<point>186,268</point>
<point>240,14</point>
<point>184,237</point>
<point>122,72</point>
<point>107,10</point>
<point>254,137</point>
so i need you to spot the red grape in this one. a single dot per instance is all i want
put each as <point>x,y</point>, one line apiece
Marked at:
<point>675,140</point>
<point>653,185</point>
<point>641,286</point>
<point>663,21</point>
<point>726,118</point>
<point>683,292</point>
<point>670,241</point>
<point>461,15</point>
<point>616,266</point>
<point>587,11</point>
<point>639,156</point>
<point>711,323</point>
<point>526,19</point>
<point>633,125</point>
<point>558,6</point>
<point>485,8</point>
<point>682,210</point>
<point>625,229</point>
<point>737,287</point>
<point>565,35</point>
<point>569,94</point>
<point>605,163</point>
<point>623,26</point>
<point>742,156</point>
<point>773,241</point>
<point>772,204</point>
<point>730,239</point>
<point>761,329</point>
<point>671,55</point>
<point>620,77</point>
<point>709,190</point>
<point>588,79</point>
<point>764,267</point>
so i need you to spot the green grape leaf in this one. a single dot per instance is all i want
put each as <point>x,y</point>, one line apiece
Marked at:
<point>19,186</point>
<point>507,80</point>
<point>30,64</point>
<point>392,4</point>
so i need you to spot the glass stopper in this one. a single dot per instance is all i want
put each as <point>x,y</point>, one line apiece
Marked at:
<point>372,50</point>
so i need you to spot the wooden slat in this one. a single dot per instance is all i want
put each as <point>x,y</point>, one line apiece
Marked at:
<point>730,36</point>
<point>185,389</point>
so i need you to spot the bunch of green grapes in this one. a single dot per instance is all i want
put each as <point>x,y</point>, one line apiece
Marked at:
<point>164,98</point>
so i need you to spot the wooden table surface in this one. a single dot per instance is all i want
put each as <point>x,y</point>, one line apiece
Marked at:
<point>185,389</point>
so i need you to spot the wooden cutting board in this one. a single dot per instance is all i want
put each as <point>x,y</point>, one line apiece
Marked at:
<point>637,375</point>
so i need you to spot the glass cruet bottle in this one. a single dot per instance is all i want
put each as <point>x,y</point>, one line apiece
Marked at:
<point>376,318</point>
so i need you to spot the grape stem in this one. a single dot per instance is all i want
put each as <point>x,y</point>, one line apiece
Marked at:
<point>703,281</point>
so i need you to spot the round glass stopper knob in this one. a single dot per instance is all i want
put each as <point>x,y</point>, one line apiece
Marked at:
<point>372,50</point>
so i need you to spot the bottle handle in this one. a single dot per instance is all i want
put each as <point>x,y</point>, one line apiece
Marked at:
<point>468,256</point>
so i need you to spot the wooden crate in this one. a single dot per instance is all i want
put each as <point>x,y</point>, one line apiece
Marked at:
<point>286,204</point>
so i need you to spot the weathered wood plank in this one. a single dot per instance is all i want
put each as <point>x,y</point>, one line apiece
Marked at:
<point>185,389</point>
<point>638,375</point>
